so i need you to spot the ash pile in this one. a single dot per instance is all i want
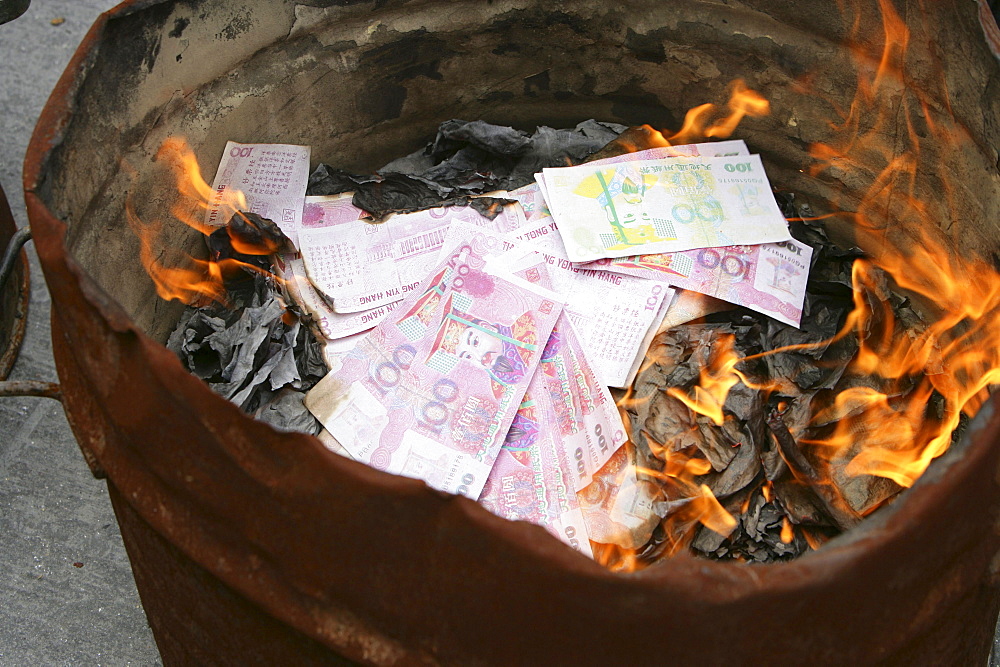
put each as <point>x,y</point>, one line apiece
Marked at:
<point>638,346</point>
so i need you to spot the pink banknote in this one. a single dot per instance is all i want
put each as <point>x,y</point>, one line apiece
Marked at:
<point>532,202</point>
<point>584,415</point>
<point>325,321</point>
<point>432,390</point>
<point>362,265</point>
<point>612,317</point>
<point>769,278</point>
<point>531,479</point>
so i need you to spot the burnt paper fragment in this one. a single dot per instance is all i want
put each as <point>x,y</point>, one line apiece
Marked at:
<point>251,352</point>
<point>395,193</point>
<point>286,412</point>
<point>327,180</point>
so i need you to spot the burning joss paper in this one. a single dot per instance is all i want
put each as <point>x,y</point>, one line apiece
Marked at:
<point>711,149</point>
<point>432,391</point>
<point>271,177</point>
<point>769,278</point>
<point>619,505</point>
<point>665,205</point>
<point>494,342</point>
<point>584,415</point>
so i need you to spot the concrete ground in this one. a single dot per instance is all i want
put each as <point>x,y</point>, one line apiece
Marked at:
<point>67,596</point>
<point>66,590</point>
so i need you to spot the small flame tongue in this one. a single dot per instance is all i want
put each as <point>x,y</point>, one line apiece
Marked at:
<point>717,378</point>
<point>698,123</point>
<point>236,249</point>
<point>701,122</point>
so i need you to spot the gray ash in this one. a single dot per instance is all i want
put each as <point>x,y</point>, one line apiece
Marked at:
<point>253,349</point>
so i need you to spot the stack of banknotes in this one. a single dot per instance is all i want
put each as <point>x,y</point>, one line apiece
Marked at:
<point>477,353</point>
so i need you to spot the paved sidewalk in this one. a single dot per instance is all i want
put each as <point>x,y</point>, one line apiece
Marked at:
<point>67,596</point>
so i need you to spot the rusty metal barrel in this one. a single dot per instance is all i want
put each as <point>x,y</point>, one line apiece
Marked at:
<point>14,288</point>
<point>253,546</point>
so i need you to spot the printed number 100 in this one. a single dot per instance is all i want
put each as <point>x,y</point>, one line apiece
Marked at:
<point>709,210</point>
<point>387,374</point>
<point>732,265</point>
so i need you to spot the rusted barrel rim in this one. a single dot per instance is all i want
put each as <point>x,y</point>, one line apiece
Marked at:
<point>734,581</point>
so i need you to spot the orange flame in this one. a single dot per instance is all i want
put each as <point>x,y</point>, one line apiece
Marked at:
<point>910,386</point>
<point>707,120</point>
<point>699,124</point>
<point>200,278</point>
<point>956,358</point>
<point>615,558</point>
<point>195,192</point>
<point>717,378</point>
<point>190,280</point>
<point>787,532</point>
<point>695,503</point>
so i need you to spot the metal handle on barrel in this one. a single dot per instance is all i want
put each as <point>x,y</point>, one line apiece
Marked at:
<point>22,387</point>
<point>15,247</point>
<point>10,10</point>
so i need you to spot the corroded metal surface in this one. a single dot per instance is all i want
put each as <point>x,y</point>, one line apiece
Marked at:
<point>30,388</point>
<point>291,542</point>
<point>14,294</point>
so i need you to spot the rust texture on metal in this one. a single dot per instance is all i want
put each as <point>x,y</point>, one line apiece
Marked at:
<point>30,388</point>
<point>284,541</point>
<point>14,294</point>
<point>176,591</point>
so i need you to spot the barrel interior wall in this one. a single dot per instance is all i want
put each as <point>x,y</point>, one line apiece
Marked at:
<point>325,76</point>
<point>363,89</point>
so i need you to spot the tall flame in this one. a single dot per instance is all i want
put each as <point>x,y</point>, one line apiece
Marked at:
<point>882,425</point>
<point>195,193</point>
<point>957,357</point>
<point>180,276</point>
